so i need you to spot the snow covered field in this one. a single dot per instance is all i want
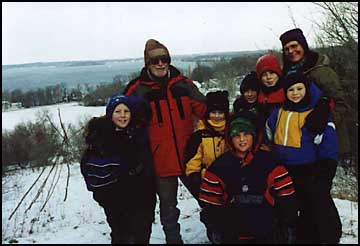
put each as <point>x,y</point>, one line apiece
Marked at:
<point>80,219</point>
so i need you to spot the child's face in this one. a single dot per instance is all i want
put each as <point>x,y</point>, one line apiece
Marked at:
<point>242,142</point>
<point>250,96</point>
<point>121,116</point>
<point>269,78</point>
<point>217,116</point>
<point>296,92</point>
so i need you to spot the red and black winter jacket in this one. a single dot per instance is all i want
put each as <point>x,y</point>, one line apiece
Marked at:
<point>173,108</point>
<point>244,197</point>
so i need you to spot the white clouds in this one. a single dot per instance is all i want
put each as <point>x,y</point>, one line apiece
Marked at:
<point>92,30</point>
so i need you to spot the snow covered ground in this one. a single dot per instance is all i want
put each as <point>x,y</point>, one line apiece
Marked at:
<point>80,219</point>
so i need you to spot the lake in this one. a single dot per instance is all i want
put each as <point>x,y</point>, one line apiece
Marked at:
<point>27,78</point>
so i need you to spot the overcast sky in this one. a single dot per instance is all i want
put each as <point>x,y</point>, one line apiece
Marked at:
<point>43,32</point>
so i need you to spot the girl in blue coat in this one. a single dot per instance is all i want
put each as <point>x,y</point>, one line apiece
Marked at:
<point>117,167</point>
<point>310,158</point>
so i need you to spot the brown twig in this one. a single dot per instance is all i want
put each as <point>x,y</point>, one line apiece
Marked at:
<point>52,124</point>
<point>66,139</point>
<point>67,181</point>
<point>51,191</point>
<point>41,187</point>
<point>67,142</point>
<point>27,192</point>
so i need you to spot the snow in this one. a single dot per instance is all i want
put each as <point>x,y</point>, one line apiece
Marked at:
<point>70,113</point>
<point>80,219</point>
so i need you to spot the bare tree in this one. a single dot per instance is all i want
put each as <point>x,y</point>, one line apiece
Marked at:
<point>338,34</point>
<point>341,24</point>
<point>67,153</point>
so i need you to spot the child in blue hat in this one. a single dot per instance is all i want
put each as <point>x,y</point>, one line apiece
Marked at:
<point>118,170</point>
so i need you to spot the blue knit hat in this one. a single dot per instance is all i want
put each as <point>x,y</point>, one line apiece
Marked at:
<point>114,101</point>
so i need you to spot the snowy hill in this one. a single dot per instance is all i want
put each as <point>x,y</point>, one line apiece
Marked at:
<point>80,219</point>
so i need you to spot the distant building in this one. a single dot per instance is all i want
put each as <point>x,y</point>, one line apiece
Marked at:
<point>6,105</point>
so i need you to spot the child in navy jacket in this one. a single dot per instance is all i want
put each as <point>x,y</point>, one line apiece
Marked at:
<point>245,191</point>
<point>117,168</point>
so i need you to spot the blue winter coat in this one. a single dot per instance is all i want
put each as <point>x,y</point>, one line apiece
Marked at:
<point>293,144</point>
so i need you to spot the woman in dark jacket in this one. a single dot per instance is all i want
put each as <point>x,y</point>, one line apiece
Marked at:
<point>117,167</point>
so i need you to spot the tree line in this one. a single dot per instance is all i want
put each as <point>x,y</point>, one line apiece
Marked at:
<point>89,95</point>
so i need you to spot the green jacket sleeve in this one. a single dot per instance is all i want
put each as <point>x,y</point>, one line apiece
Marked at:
<point>328,81</point>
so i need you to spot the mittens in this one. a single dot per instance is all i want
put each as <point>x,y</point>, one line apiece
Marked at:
<point>317,120</point>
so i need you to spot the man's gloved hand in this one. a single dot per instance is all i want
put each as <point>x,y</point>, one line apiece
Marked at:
<point>316,121</point>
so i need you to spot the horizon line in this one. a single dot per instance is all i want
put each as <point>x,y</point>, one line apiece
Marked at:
<point>129,58</point>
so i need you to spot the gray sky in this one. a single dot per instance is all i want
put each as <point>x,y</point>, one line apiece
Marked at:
<point>43,32</point>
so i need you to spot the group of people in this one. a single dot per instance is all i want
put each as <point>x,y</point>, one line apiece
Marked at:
<point>261,173</point>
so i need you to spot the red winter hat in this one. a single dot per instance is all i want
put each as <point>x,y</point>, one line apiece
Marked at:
<point>154,48</point>
<point>267,62</point>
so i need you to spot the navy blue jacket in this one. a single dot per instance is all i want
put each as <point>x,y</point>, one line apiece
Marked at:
<point>241,195</point>
<point>118,162</point>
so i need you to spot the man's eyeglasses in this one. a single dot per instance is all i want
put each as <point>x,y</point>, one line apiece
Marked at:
<point>155,60</point>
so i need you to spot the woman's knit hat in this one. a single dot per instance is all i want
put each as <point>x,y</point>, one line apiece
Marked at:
<point>217,100</point>
<point>250,82</point>
<point>268,62</point>
<point>294,35</point>
<point>154,48</point>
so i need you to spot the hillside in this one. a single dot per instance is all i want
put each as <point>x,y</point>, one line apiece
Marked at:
<point>80,219</point>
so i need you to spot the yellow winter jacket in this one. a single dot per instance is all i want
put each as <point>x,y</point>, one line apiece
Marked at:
<point>204,146</point>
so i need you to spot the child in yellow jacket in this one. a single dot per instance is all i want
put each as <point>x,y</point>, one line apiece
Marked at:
<point>207,143</point>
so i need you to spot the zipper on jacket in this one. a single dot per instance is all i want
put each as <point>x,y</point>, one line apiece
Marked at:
<point>213,138</point>
<point>173,131</point>
<point>158,112</point>
<point>180,107</point>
